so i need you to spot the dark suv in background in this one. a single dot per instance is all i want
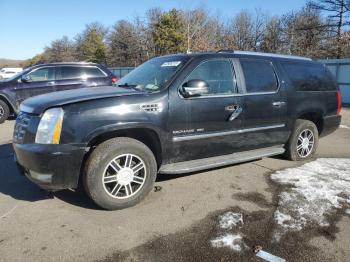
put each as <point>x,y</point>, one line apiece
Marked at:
<point>175,114</point>
<point>46,78</point>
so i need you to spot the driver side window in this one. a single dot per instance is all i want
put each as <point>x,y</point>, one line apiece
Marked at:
<point>219,76</point>
<point>42,74</point>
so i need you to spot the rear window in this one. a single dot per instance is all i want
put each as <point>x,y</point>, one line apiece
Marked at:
<point>259,76</point>
<point>310,76</point>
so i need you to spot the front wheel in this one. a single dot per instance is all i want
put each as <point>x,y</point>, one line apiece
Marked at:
<point>119,173</point>
<point>303,141</point>
<point>4,111</point>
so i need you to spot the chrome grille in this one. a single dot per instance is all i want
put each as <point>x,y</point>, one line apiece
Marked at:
<point>22,122</point>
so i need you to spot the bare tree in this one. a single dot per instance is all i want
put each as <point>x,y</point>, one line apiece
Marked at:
<point>123,44</point>
<point>271,39</point>
<point>338,13</point>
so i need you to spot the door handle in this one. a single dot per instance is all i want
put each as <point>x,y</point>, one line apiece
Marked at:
<point>278,104</point>
<point>235,113</point>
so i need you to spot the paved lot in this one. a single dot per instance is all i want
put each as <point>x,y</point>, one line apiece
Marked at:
<point>174,224</point>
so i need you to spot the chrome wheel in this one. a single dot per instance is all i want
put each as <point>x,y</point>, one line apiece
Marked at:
<point>2,111</point>
<point>124,176</point>
<point>305,143</point>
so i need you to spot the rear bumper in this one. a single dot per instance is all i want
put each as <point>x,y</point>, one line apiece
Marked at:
<point>52,167</point>
<point>330,124</point>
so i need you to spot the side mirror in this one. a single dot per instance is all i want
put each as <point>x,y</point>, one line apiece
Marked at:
<point>26,78</point>
<point>194,87</point>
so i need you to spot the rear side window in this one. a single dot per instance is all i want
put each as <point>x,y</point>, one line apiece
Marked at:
<point>309,76</point>
<point>219,76</point>
<point>71,72</point>
<point>77,72</point>
<point>259,76</point>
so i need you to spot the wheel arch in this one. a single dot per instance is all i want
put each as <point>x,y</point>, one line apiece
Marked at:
<point>315,116</point>
<point>146,135</point>
<point>9,103</point>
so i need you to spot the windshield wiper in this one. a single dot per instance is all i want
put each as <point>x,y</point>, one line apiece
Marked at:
<point>126,85</point>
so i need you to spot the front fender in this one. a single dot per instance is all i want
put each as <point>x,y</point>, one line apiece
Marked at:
<point>121,127</point>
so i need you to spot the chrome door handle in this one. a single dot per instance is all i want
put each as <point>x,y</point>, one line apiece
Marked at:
<point>236,112</point>
<point>278,104</point>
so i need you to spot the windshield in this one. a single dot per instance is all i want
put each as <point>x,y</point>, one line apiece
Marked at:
<point>154,74</point>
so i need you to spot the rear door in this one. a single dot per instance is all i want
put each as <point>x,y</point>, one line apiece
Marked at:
<point>39,81</point>
<point>265,104</point>
<point>206,126</point>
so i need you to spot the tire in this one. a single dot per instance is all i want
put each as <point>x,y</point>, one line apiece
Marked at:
<point>297,149</point>
<point>4,111</point>
<point>120,156</point>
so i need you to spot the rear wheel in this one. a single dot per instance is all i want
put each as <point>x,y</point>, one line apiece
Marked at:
<point>303,141</point>
<point>119,173</point>
<point>4,111</point>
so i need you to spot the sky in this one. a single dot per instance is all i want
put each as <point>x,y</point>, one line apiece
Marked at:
<point>27,26</point>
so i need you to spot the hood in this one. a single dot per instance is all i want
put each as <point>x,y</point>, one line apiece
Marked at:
<point>39,104</point>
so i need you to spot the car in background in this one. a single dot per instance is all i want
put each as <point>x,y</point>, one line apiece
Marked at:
<point>8,72</point>
<point>47,78</point>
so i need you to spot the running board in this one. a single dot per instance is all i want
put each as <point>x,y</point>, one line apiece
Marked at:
<point>218,161</point>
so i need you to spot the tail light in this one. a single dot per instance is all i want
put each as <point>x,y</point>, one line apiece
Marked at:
<point>114,79</point>
<point>339,102</point>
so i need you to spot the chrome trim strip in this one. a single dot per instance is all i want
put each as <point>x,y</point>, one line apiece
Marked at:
<point>225,133</point>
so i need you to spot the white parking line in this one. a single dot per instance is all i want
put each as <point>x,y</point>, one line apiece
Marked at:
<point>9,212</point>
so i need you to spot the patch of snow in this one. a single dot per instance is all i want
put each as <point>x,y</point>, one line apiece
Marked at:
<point>312,191</point>
<point>230,220</point>
<point>344,126</point>
<point>347,211</point>
<point>228,240</point>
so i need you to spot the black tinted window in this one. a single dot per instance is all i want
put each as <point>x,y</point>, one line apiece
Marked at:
<point>71,72</point>
<point>309,76</point>
<point>259,76</point>
<point>218,74</point>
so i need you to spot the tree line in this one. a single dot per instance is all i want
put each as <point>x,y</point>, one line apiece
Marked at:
<point>320,29</point>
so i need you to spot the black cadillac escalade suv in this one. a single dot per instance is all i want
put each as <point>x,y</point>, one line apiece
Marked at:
<point>175,114</point>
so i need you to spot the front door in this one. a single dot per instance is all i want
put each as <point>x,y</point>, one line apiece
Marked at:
<point>38,81</point>
<point>207,125</point>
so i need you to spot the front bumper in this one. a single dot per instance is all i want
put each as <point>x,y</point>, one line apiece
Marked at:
<point>52,167</point>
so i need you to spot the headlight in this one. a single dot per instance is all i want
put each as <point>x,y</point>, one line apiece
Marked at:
<point>49,129</point>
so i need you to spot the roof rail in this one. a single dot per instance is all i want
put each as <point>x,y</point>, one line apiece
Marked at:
<point>226,51</point>
<point>272,55</point>
<point>263,54</point>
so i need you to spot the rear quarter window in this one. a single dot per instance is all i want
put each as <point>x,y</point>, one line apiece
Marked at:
<point>93,72</point>
<point>310,76</point>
